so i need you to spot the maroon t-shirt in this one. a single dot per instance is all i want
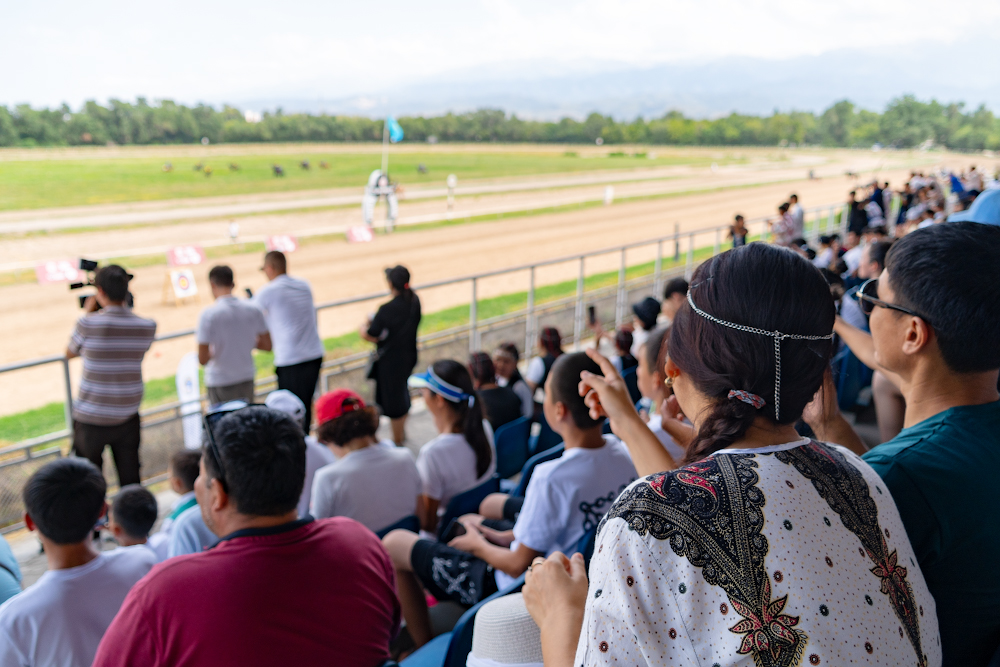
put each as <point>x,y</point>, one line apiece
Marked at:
<point>307,593</point>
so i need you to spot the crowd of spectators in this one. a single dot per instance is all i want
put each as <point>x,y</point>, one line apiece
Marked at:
<point>737,491</point>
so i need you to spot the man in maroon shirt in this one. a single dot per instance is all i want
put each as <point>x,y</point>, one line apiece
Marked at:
<point>275,590</point>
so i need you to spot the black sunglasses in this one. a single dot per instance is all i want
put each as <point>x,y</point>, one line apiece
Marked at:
<point>209,421</point>
<point>868,299</point>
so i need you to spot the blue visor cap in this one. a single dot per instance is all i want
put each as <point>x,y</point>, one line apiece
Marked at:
<point>430,380</point>
<point>985,209</point>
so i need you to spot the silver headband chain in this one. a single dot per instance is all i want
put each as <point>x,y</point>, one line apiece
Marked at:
<point>776,335</point>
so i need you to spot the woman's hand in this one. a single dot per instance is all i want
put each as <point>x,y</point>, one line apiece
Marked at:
<point>606,396</point>
<point>555,594</point>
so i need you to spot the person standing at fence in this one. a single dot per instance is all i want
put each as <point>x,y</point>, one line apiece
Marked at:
<point>112,341</point>
<point>290,315</point>
<point>228,332</point>
<point>393,329</point>
<point>798,216</point>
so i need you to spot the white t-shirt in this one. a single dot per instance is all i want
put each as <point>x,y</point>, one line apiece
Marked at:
<point>535,372</point>
<point>853,258</point>
<point>291,318</point>
<point>568,496</point>
<point>355,486</point>
<point>655,425</point>
<point>317,456</point>
<point>60,620</point>
<point>798,217</point>
<point>159,541</point>
<point>230,328</point>
<point>189,534</point>
<point>639,338</point>
<point>447,467</point>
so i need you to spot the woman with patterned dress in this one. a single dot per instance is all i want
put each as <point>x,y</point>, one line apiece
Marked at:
<point>764,548</point>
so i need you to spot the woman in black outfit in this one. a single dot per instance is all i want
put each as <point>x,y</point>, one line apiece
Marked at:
<point>394,332</point>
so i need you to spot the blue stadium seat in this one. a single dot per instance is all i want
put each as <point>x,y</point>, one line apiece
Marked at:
<point>431,654</point>
<point>632,382</point>
<point>512,447</point>
<point>410,523</point>
<point>467,502</point>
<point>529,467</point>
<point>546,438</point>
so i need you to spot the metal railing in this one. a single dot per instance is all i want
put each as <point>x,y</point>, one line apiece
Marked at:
<point>825,219</point>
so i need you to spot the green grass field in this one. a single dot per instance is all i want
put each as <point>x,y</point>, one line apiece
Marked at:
<point>28,184</point>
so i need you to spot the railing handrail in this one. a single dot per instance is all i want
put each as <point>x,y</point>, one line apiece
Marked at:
<point>531,266</point>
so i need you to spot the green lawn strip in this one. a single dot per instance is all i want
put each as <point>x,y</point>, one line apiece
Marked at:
<point>27,184</point>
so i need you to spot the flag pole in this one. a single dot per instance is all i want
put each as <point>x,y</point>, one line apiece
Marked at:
<point>385,147</point>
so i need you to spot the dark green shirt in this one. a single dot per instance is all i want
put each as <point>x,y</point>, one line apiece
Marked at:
<point>944,474</point>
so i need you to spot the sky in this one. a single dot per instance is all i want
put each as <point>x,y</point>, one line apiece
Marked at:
<point>59,51</point>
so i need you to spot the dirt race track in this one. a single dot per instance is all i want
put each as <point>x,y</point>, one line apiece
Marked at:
<point>39,319</point>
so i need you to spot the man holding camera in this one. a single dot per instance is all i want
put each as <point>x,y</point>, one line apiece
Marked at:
<point>112,341</point>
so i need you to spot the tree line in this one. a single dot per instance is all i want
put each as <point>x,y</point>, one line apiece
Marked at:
<point>905,123</point>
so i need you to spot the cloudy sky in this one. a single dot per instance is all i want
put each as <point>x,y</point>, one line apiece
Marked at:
<point>216,51</point>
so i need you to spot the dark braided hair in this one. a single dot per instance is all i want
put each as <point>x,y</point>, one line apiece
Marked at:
<point>760,286</point>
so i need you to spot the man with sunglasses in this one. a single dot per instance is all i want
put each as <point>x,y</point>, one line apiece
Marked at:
<point>935,332</point>
<point>276,589</point>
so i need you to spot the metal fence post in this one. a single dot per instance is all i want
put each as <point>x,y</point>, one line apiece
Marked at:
<point>658,267</point>
<point>529,320</point>
<point>677,242</point>
<point>718,242</point>
<point>578,319</point>
<point>845,214</point>
<point>620,295</point>
<point>829,220</point>
<point>473,317</point>
<point>689,269</point>
<point>68,405</point>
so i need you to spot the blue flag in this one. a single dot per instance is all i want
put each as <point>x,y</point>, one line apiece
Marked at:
<point>395,131</point>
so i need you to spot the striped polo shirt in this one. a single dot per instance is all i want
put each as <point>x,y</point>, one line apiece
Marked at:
<point>112,343</point>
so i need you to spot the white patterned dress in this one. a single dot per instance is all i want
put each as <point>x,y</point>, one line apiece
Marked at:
<point>774,557</point>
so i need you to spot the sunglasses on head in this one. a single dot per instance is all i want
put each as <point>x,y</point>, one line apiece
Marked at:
<point>868,299</point>
<point>210,420</point>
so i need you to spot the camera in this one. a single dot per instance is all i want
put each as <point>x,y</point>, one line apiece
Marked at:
<point>90,267</point>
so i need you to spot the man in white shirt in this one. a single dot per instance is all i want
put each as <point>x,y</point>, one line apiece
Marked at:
<point>62,618</point>
<point>798,216</point>
<point>288,309</point>
<point>228,332</point>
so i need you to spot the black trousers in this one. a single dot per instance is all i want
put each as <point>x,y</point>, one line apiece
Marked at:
<point>301,379</point>
<point>89,441</point>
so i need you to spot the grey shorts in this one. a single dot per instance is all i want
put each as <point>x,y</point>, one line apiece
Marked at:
<point>241,391</point>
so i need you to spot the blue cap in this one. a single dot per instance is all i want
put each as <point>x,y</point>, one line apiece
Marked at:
<point>430,380</point>
<point>985,209</point>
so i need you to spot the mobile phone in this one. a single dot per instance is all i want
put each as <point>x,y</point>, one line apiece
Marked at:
<point>455,528</point>
<point>592,315</point>
<point>249,292</point>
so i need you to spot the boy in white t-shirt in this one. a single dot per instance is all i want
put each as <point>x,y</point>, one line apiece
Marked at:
<point>184,469</point>
<point>354,485</point>
<point>564,499</point>
<point>61,619</point>
<point>650,378</point>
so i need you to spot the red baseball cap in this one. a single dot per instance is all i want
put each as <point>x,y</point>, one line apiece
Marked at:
<point>334,404</point>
